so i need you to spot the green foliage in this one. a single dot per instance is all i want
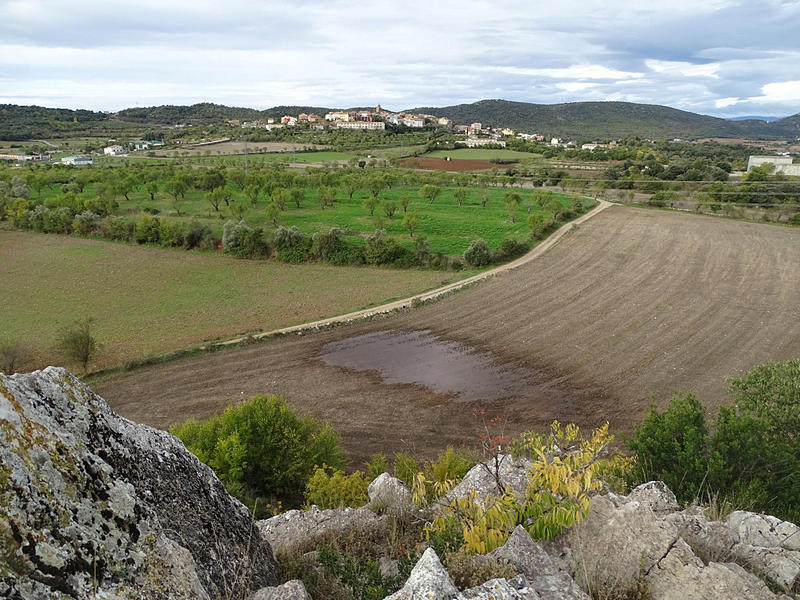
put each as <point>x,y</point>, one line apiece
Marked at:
<point>77,341</point>
<point>243,241</point>
<point>405,468</point>
<point>673,447</point>
<point>751,455</point>
<point>449,466</point>
<point>377,465</point>
<point>478,253</point>
<point>561,479</point>
<point>332,488</point>
<point>261,450</point>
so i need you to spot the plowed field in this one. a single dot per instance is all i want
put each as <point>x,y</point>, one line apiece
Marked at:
<point>634,302</point>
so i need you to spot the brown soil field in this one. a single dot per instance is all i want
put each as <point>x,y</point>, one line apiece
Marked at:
<point>454,164</point>
<point>630,304</point>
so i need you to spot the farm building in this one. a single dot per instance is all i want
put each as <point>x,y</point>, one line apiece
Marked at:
<point>783,164</point>
<point>115,150</point>
<point>77,160</point>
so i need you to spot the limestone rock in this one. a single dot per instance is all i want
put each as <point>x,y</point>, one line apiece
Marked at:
<point>517,588</point>
<point>428,581</point>
<point>550,582</point>
<point>292,528</point>
<point>92,504</point>
<point>483,478</point>
<point>390,491</point>
<point>656,496</point>
<point>680,575</point>
<point>291,590</point>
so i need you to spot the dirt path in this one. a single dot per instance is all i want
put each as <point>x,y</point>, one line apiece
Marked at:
<point>633,303</point>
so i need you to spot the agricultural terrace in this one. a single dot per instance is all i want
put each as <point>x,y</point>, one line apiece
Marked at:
<point>481,154</point>
<point>451,210</point>
<point>150,300</point>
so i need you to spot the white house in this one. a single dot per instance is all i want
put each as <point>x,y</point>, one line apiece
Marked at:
<point>478,142</point>
<point>415,122</point>
<point>115,150</point>
<point>337,116</point>
<point>361,125</point>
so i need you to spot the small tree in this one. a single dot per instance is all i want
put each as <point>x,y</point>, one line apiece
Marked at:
<point>512,204</point>
<point>430,192</point>
<point>389,208</point>
<point>297,195</point>
<point>461,194</point>
<point>77,341</point>
<point>410,222</point>
<point>404,202</point>
<point>370,204</point>
<point>151,187</point>
<point>483,196</point>
<point>478,253</point>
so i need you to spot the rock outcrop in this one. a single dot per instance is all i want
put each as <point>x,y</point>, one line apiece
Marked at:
<point>389,491</point>
<point>487,478</point>
<point>93,505</point>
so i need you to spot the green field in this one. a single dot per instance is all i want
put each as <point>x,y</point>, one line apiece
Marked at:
<point>148,300</point>
<point>479,154</point>
<point>448,227</point>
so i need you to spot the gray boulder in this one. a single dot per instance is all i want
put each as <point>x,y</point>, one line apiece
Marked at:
<point>486,478</point>
<point>93,505</point>
<point>530,560</point>
<point>428,581</point>
<point>517,588</point>
<point>390,491</point>
<point>291,590</point>
<point>295,528</point>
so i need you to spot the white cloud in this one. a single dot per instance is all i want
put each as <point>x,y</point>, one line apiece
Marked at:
<point>725,102</point>
<point>683,68</point>
<point>571,72</point>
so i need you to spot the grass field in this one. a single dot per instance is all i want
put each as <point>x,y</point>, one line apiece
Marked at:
<point>148,300</point>
<point>480,154</point>
<point>448,227</point>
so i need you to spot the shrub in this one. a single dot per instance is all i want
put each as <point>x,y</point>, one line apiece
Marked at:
<point>199,236</point>
<point>478,254</point>
<point>405,467</point>
<point>673,446</point>
<point>511,248</point>
<point>382,250</point>
<point>85,222</point>
<point>119,228</point>
<point>377,465</point>
<point>331,488</point>
<point>77,341</point>
<point>261,450</point>
<point>292,245</point>
<point>468,571</point>
<point>148,230</point>
<point>243,241</point>
<point>171,234</point>
<point>539,222</point>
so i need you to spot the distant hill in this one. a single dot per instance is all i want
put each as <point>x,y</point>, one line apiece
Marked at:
<point>577,120</point>
<point>583,120</point>
<point>754,118</point>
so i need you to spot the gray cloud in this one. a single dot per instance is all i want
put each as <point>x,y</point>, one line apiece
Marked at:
<point>720,57</point>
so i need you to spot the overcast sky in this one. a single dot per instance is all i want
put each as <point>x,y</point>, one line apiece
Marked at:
<point>718,57</point>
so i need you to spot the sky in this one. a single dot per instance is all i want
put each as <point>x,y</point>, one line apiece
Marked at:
<point>717,57</point>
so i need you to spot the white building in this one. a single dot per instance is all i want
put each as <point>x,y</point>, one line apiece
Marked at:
<point>414,122</point>
<point>337,116</point>
<point>783,164</point>
<point>361,125</point>
<point>555,142</point>
<point>77,160</point>
<point>115,150</point>
<point>478,142</point>
<point>475,128</point>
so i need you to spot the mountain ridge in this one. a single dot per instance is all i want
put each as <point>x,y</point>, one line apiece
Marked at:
<point>580,120</point>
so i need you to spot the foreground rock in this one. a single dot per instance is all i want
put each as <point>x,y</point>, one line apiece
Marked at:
<point>489,477</point>
<point>293,529</point>
<point>390,492</point>
<point>93,505</point>
<point>635,542</point>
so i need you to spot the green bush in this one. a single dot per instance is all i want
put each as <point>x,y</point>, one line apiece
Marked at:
<point>148,230</point>
<point>243,241</point>
<point>332,488</point>
<point>261,450</point>
<point>673,447</point>
<point>199,236</point>
<point>751,455</point>
<point>377,465</point>
<point>478,253</point>
<point>405,467</point>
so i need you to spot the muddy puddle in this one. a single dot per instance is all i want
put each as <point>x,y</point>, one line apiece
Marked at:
<point>421,358</point>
